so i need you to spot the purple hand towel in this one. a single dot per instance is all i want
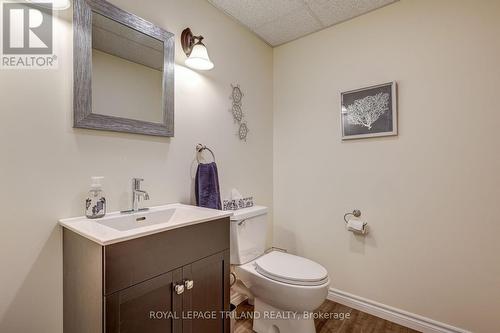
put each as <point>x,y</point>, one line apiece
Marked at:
<point>207,186</point>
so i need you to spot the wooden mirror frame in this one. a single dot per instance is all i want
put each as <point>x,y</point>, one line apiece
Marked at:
<point>82,69</point>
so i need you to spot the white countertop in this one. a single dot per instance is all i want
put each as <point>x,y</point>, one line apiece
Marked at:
<point>118,227</point>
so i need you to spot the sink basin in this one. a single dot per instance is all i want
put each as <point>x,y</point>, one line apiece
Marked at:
<point>127,221</point>
<point>117,227</point>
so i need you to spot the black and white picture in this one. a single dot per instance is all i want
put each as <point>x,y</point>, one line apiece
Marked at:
<point>369,112</point>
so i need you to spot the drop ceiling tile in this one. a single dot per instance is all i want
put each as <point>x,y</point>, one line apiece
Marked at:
<point>331,12</point>
<point>280,21</point>
<point>254,13</point>
<point>288,27</point>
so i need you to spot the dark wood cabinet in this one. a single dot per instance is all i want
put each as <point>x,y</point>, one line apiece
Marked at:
<point>141,308</point>
<point>204,298</point>
<point>175,281</point>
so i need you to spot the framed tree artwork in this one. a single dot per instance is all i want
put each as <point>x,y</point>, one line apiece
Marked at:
<point>369,112</point>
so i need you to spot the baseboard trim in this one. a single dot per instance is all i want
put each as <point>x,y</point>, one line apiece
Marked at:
<point>401,317</point>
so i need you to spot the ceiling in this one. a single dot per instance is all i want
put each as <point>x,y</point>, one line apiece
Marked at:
<point>280,21</point>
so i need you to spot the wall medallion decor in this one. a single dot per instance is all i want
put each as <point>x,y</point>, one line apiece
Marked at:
<point>236,110</point>
<point>236,95</point>
<point>369,112</point>
<point>237,113</point>
<point>243,131</point>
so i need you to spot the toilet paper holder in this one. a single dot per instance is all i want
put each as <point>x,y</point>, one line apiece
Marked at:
<point>358,227</point>
<point>355,213</point>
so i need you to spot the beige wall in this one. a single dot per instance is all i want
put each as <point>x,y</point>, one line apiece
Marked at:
<point>431,194</point>
<point>46,164</point>
<point>126,89</point>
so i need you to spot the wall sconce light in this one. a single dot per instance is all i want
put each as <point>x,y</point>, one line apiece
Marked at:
<point>196,51</point>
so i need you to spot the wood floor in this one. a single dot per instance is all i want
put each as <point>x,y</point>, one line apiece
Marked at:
<point>356,322</point>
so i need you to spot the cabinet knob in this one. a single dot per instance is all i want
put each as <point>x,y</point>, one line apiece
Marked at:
<point>189,284</point>
<point>179,288</point>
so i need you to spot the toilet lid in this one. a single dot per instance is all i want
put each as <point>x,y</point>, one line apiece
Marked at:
<point>291,269</point>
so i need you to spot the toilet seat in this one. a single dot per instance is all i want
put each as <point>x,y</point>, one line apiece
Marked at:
<point>291,269</point>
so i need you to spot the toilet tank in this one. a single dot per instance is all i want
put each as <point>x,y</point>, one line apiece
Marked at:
<point>248,234</point>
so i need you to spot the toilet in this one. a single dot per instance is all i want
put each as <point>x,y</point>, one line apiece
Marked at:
<point>286,289</point>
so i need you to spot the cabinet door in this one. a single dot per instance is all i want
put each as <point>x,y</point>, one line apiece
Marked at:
<point>209,295</point>
<point>149,307</point>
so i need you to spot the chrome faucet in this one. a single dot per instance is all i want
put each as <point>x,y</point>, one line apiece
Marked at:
<point>137,194</point>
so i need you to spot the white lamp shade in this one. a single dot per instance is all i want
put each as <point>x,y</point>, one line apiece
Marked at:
<point>198,59</point>
<point>56,4</point>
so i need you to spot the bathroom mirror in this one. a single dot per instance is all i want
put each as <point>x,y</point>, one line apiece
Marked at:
<point>123,71</point>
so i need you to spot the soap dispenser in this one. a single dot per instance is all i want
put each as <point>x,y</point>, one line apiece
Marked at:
<point>95,205</point>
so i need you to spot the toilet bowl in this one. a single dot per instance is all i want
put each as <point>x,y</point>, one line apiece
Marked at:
<point>282,299</point>
<point>286,288</point>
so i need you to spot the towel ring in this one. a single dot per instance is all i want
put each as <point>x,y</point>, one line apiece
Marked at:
<point>200,148</point>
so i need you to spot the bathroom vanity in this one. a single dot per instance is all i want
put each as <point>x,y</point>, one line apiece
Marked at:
<point>163,270</point>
